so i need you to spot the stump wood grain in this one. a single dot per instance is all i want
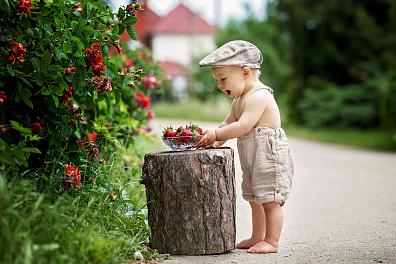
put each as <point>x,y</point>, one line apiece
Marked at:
<point>191,200</point>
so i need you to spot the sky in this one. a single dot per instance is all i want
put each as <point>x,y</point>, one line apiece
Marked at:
<point>209,9</point>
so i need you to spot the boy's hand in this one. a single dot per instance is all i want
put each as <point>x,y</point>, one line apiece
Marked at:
<point>207,140</point>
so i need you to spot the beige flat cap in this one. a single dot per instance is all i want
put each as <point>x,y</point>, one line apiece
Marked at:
<point>237,52</point>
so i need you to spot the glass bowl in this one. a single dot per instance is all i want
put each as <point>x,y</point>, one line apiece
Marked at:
<point>182,142</point>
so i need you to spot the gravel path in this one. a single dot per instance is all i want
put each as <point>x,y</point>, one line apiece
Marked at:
<point>342,208</point>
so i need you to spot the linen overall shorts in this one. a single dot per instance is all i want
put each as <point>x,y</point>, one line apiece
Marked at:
<point>266,162</point>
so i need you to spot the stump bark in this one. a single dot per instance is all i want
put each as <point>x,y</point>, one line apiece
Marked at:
<point>191,201</point>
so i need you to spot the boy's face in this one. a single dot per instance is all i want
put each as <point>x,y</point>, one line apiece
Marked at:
<point>230,80</point>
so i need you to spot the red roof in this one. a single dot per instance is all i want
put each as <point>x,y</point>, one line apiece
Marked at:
<point>182,20</point>
<point>172,69</point>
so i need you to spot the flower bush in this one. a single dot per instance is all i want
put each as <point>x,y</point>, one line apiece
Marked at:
<point>69,118</point>
<point>58,79</point>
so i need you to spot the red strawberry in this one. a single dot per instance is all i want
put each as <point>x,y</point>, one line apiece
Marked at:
<point>168,132</point>
<point>187,132</point>
<point>179,130</point>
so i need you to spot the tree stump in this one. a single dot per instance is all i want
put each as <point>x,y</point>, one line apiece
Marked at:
<point>191,201</point>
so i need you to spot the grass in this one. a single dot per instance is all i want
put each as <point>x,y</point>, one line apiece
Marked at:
<point>217,110</point>
<point>104,221</point>
<point>211,111</point>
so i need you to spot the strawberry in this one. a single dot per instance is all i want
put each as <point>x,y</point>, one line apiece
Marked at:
<point>187,132</point>
<point>168,132</point>
<point>179,130</point>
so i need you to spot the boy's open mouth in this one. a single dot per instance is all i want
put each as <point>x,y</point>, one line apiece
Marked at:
<point>228,92</point>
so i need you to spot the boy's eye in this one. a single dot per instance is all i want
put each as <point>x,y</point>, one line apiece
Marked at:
<point>223,79</point>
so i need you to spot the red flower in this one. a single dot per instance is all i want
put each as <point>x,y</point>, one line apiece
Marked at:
<point>80,143</point>
<point>23,6</point>
<point>95,59</point>
<point>17,53</point>
<point>71,70</point>
<point>67,94</point>
<point>150,115</point>
<point>73,176</point>
<point>145,102</point>
<point>102,85</point>
<point>3,96</point>
<point>35,128</point>
<point>150,81</point>
<point>129,63</point>
<point>91,137</point>
<point>79,8</point>
<point>131,8</point>
<point>95,46</point>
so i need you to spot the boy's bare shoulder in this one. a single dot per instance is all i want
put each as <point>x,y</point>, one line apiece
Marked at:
<point>260,96</point>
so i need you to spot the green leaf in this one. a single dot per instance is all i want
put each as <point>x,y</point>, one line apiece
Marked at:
<point>72,144</point>
<point>115,29</point>
<point>121,29</point>
<point>10,70</point>
<point>121,13</point>
<point>113,68</point>
<point>89,102</point>
<point>32,150</point>
<point>26,81</point>
<point>65,130</point>
<point>3,145</point>
<point>30,32</point>
<point>25,23</point>
<point>117,96</point>
<point>36,64</point>
<point>55,68</point>
<point>56,90</point>
<point>78,41</point>
<point>55,98</point>
<point>66,47</point>
<point>63,85</point>
<point>86,11</point>
<point>88,30</point>
<point>81,61</point>
<point>25,93</point>
<point>40,80</point>
<point>28,102</point>
<point>5,6</point>
<point>130,21</point>
<point>77,14</point>
<point>132,33</point>
<point>46,60</point>
<point>45,91</point>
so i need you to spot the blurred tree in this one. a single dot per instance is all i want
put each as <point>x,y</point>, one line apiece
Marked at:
<point>267,37</point>
<point>342,44</point>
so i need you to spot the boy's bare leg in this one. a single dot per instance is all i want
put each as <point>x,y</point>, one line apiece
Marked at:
<point>274,223</point>
<point>258,226</point>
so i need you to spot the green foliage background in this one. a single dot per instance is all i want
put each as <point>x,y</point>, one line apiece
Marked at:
<point>332,62</point>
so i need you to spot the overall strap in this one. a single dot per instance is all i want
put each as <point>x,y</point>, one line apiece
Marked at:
<point>235,101</point>
<point>256,89</point>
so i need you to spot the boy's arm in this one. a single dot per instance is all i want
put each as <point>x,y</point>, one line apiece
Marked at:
<point>228,120</point>
<point>254,108</point>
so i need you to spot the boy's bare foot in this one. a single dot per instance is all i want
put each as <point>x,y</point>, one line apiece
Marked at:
<point>263,247</point>
<point>248,243</point>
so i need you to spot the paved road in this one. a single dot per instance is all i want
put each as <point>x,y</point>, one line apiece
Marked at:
<point>342,208</point>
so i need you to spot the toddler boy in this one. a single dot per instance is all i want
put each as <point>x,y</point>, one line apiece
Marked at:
<point>263,147</point>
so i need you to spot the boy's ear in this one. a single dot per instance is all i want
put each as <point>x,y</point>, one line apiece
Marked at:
<point>246,72</point>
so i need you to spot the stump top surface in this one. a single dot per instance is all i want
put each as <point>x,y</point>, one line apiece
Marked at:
<point>188,152</point>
